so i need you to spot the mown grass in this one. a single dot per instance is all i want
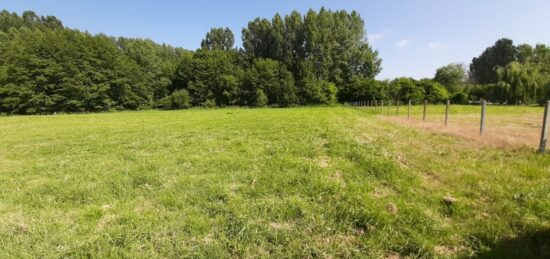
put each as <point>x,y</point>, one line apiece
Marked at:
<point>301,182</point>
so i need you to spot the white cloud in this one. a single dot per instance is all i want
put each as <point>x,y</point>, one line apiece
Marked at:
<point>402,43</point>
<point>378,36</point>
<point>437,45</point>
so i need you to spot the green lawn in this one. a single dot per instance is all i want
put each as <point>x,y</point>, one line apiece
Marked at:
<point>300,182</point>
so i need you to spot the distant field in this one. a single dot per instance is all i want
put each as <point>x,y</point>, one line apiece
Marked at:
<point>300,182</point>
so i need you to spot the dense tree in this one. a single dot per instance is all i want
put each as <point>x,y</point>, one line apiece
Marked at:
<point>434,91</point>
<point>451,76</point>
<point>331,46</point>
<point>285,61</point>
<point>28,19</point>
<point>273,79</point>
<point>73,72</point>
<point>317,58</point>
<point>524,79</point>
<point>179,99</point>
<point>218,39</point>
<point>215,78</point>
<point>407,89</point>
<point>483,68</point>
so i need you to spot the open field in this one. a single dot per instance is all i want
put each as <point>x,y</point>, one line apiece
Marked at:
<point>301,182</point>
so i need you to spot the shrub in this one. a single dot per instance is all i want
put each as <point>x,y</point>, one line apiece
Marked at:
<point>179,99</point>
<point>459,98</point>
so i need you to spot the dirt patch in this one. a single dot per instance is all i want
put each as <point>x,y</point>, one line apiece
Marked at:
<point>381,192</point>
<point>279,226</point>
<point>448,250</point>
<point>323,162</point>
<point>338,176</point>
<point>392,208</point>
<point>106,221</point>
<point>321,142</point>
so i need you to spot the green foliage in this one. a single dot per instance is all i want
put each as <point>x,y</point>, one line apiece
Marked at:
<point>434,91</point>
<point>320,57</point>
<point>214,76</point>
<point>364,89</point>
<point>218,39</point>
<point>517,83</point>
<point>405,89</point>
<point>296,59</point>
<point>524,79</point>
<point>483,68</point>
<point>273,79</point>
<point>260,99</point>
<point>179,99</point>
<point>325,45</point>
<point>28,19</point>
<point>451,76</point>
<point>459,98</point>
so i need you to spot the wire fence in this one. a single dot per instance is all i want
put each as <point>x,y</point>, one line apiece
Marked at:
<point>511,124</point>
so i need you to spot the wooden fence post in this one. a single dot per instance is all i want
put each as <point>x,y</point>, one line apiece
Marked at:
<point>483,110</point>
<point>381,106</point>
<point>447,112</point>
<point>389,105</point>
<point>409,110</point>
<point>544,134</point>
<point>424,113</point>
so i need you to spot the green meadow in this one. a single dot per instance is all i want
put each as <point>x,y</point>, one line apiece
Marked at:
<point>297,182</point>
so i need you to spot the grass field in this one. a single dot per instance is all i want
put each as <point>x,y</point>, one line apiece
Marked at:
<point>300,182</point>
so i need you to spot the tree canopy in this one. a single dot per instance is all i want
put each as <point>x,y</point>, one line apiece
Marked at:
<point>292,60</point>
<point>452,76</point>
<point>218,39</point>
<point>483,68</point>
<point>512,74</point>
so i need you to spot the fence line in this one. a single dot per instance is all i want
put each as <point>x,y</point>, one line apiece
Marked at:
<point>377,107</point>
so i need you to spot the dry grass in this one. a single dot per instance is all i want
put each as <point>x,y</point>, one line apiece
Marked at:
<point>501,131</point>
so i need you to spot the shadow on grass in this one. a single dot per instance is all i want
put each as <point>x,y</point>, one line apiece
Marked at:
<point>531,245</point>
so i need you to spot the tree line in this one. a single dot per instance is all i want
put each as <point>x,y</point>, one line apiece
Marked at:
<point>509,74</point>
<point>504,74</point>
<point>320,57</point>
<point>297,59</point>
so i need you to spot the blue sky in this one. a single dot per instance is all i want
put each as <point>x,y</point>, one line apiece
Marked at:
<point>413,37</point>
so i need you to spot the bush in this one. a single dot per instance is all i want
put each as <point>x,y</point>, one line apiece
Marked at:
<point>329,92</point>
<point>209,103</point>
<point>459,98</point>
<point>179,99</point>
<point>261,98</point>
<point>435,92</point>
